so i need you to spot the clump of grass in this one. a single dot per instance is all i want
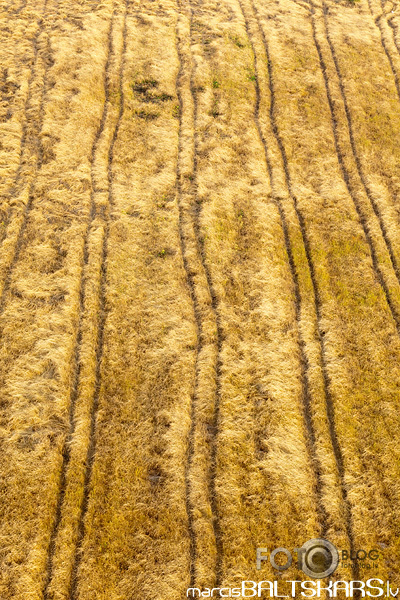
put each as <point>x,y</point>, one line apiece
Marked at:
<point>165,252</point>
<point>251,75</point>
<point>237,41</point>
<point>164,201</point>
<point>145,89</point>
<point>176,111</point>
<point>147,115</point>
<point>156,98</point>
<point>215,112</point>
<point>163,97</point>
<point>143,86</point>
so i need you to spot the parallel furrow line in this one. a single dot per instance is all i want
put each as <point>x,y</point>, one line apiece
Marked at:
<point>304,363</point>
<point>195,221</point>
<point>66,452</point>
<point>219,334</point>
<point>91,452</point>
<point>357,160</point>
<point>196,312</point>
<point>18,181</point>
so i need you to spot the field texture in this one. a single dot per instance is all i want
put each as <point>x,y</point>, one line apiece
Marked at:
<point>199,291</point>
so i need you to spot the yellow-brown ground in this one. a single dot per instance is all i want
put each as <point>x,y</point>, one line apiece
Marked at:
<point>199,291</point>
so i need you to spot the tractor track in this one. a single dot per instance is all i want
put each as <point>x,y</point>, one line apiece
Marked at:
<point>329,402</point>
<point>101,318</point>
<point>395,29</point>
<point>196,308</point>
<point>195,223</point>
<point>378,23</point>
<point>346,174</point>
<point>219,333</point>
<point>91,452</point>
<point>357,160</point>
<point>30,143</point>
<point>304,363</point>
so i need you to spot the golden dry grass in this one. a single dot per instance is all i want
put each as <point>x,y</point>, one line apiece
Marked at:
<point>199,291</point>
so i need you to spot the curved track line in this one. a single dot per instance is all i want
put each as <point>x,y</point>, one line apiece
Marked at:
<point>90,457</point>
<point>214,306</point>
<point>357,160</point>
<point>196,312</point>
<point>377,21</point>
<point>377,470</point>
<point>15,187</point>
<point>219,334</point>
<point>395,29</point>
<point>347,180</point>
<point>66,451</point>
<point>304,363</point>
<point>329,402</point>
<point>15,190</point>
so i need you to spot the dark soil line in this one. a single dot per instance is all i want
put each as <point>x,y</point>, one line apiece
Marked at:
<point>304,363</point>
<point>77,352</point>
<point>102,316</point>
<point>359,166</point>
<point>32,143</point>
<point>216,521</point>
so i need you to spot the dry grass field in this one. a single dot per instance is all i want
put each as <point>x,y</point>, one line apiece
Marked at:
<point>199,292</point>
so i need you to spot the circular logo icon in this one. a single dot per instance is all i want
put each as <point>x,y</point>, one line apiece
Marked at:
<point>319,558</point>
